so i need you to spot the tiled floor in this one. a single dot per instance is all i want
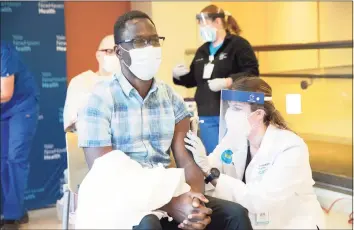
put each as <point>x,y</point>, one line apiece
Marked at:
<point>47,219</point>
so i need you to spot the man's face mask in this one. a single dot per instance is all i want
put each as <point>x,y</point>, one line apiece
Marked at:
<point>111,64</point>
<point>208,33</point>
<point>145,62</point>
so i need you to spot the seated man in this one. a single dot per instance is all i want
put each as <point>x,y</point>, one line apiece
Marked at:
<point>81,85</point>
<point>144,118</point>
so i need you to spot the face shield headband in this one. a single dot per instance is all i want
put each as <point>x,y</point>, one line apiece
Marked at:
<point>244,96</point>
<point>203,17</point>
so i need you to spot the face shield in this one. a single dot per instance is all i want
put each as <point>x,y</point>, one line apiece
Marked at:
<point>233,118</point>
<point>207,31</point>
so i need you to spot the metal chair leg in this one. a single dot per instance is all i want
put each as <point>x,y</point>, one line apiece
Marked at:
<point>66,210</point>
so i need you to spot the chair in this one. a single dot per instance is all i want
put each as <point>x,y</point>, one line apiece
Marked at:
<point>77,170</point>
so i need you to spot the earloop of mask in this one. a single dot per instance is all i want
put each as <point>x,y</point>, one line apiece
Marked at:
<point>122,58</point>
<point>124,49</point>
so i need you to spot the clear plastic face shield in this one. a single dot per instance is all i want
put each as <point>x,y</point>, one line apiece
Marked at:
<point>205,21</point>
<point>234,112</point>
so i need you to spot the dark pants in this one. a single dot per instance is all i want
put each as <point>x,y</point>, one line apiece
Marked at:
<point>226,216</point>
<point>17,133</point>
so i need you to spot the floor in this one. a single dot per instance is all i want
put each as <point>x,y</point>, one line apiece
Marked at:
<point>47,219</point>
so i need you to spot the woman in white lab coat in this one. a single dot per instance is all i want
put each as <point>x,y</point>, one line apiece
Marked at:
<point>264,165</point>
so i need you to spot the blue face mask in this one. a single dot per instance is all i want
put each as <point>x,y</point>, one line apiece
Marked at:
<point>208,33</point>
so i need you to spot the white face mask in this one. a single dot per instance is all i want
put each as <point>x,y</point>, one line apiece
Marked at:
<point>145,62</point>
<point>111,64</point>
<point>237,123</point>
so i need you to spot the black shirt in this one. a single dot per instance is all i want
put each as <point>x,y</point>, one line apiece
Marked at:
<point>235,57</point>
<point>248,161</point>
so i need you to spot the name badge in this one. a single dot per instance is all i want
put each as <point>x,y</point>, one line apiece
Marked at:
<point>208,70</point>
<point>262,218</point>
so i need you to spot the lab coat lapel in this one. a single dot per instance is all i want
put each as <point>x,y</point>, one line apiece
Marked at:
<point>260,160</point>
<point>239,161</point>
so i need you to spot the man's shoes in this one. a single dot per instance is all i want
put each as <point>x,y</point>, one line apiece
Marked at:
<point>14,224</point>
<point>24,219</point>
<point>10,225</point>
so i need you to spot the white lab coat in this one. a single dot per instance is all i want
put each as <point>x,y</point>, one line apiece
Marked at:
<point>278,181</point>
<point>117,192</point>
<point>77,94</point>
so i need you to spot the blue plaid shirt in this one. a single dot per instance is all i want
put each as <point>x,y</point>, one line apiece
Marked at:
<point>116,115</point>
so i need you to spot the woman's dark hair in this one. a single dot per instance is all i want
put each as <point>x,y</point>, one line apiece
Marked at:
<point>256,84</point>
<point>230,24</point>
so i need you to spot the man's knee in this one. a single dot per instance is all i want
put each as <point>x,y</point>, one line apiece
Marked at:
<point>149,222</point>
<point>228,215</point>
<point>238,210</point>
<point>238,217</point>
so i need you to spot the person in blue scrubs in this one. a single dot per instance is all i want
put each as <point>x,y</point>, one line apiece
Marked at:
<point>19,116</point>
<point>223,58</point>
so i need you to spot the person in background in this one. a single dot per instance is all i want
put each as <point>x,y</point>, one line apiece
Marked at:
<point>145,118</point>
<point>81,85</point>
<point>224,53</point>
<point>19,117</point>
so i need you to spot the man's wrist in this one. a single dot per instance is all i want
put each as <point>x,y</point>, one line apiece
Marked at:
<point>207,172</point>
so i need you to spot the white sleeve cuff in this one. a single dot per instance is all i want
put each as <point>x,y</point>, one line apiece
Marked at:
<point>229,188</point>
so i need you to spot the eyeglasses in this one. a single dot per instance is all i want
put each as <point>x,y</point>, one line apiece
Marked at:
<point>144,42</point>
<point>107,51</point>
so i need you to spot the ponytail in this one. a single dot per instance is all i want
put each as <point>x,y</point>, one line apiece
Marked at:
<point>228,21</point>
<point>232,25</point>
<point>274,117</point>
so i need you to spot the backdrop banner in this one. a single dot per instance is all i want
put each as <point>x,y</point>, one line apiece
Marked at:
<point>37,31</point>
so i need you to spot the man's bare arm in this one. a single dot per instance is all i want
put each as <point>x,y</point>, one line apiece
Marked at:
<point>194,176</point>
<point>92,154</point>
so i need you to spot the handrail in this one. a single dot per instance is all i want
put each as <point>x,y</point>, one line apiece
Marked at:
<point>296,46</point>
<point>335,72</point>
<point>306,46</point>
<point>345,184</point>
<point>302,75</point>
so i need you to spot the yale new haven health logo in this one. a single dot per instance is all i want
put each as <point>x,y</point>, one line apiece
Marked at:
<point>61,43</point>
<point>52,153</point>
<point>8,7</point>
<point>49,81</point>
<point>45,7</point>
<point>22,44</point>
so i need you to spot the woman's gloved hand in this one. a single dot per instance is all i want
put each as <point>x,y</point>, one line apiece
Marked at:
<point>195,145</point>
<point>180,70</point>
<point>218,84</point>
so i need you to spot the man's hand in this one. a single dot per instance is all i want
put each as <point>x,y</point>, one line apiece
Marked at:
<point>189,205</point>
<point>197,220</point>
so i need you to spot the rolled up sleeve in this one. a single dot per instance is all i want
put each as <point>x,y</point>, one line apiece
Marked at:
<point>94,119</point>
<point>179,106</point>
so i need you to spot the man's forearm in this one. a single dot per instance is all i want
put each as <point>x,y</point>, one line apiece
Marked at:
<point>184,159</point>
<point>194,177</point>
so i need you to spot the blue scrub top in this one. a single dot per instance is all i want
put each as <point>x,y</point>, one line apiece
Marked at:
<point>26,91</point>
<point>214,49</point>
